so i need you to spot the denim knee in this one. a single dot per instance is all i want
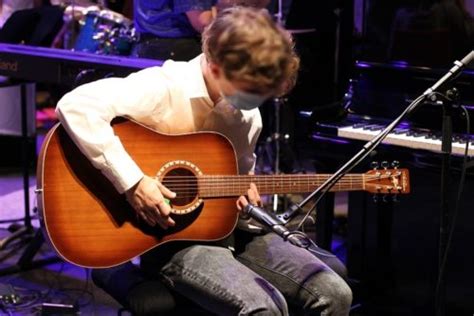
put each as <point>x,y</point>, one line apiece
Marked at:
<point>268,310</point>
<point>213,277</point>
<point>332,295</point>
<point>274,304</point>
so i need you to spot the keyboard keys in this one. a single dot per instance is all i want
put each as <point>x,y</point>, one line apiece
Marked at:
<point>405,137</point>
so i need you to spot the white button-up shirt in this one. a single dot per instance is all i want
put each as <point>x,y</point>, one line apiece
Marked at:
<point>171,99</point>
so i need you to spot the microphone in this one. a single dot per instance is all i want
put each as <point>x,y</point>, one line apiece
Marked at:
<point>452,73</point>
<point>468,58</point>
<point>270,221</point>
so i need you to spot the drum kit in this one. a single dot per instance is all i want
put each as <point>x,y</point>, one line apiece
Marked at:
<point>98,30</point>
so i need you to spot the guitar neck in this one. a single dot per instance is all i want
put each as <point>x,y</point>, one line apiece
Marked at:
<point>227,186</point>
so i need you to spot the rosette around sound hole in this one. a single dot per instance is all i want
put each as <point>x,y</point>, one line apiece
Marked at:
<point>184,183</point>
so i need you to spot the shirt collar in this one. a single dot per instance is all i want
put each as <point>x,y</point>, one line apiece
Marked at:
<point>197,88</point>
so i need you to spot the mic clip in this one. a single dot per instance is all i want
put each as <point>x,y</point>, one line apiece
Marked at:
<point>272,222</point>
<point>289,213</point>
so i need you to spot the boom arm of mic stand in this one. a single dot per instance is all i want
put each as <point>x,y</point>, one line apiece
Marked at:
<point>366,149</point>
<point>372,144</point>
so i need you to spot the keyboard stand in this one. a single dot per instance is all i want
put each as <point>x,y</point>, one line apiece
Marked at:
<point>28,234</point>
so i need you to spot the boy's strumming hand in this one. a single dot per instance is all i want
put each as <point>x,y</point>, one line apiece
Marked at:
<point>147,198</point>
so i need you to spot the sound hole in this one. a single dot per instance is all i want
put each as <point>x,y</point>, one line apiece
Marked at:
<point>184,183</point>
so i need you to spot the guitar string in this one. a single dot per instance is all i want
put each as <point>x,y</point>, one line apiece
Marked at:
<point>246,183</point>
<point>206,180</point>
<point>283,176</point>
<point>206,185</point>
<point>217,181</point>
<point>231,190</point>
<point>224,179</point>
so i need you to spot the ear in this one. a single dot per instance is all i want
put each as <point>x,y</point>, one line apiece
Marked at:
<point>215,69</point>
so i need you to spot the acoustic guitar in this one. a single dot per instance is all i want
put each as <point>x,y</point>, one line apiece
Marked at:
<point>90,224</point>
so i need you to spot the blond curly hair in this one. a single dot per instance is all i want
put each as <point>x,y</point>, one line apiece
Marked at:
<point>250,47</point>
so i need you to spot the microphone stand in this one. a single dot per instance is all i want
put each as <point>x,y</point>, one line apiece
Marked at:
<point>350,164</point>
<point>444,213</point>
<point>372,144</point>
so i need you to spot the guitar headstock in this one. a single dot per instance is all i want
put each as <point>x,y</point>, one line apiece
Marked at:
<point>387,181</point>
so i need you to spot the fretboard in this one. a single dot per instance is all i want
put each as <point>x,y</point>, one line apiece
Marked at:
<point>221,186</point>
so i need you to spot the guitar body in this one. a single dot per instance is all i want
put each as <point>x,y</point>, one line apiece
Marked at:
<point>89,224</point>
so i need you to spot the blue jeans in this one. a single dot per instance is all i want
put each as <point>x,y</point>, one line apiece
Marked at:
<point>269,277</point>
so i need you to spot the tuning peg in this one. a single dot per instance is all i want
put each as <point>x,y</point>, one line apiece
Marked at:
<point>374,165</point>
<point>395,164</point>
<point>384,164</point>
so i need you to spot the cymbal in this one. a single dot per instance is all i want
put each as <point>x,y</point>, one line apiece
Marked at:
<point>300,31</point>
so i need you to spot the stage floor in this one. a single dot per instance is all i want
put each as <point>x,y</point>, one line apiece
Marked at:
<point>56,282</point>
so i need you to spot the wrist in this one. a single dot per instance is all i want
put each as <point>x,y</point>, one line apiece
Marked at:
<point>131,191</point>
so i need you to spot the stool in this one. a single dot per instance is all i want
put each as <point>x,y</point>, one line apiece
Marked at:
<point>141,296</point>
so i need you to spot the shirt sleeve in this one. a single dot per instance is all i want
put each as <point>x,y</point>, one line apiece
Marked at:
<point>182,6</point>
<point>87,111</point>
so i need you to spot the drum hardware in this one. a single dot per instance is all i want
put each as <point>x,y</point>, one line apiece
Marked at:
<point>120,41</point>
<point>110,39</point>
<point>99,31</point>
<point>273,152</point>
<point>276,138</point>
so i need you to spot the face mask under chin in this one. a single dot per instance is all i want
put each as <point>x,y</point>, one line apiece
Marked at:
<point>244,100</point>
